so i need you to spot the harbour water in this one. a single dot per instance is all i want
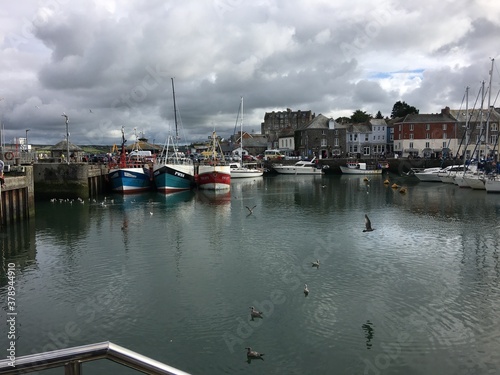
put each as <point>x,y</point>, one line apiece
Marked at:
<point>173,278</point>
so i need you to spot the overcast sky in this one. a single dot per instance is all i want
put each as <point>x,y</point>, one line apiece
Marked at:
<point>108,64</point>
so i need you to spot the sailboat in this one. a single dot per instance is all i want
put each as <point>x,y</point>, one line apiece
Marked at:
<point>129,175</point>
<point>214,173</point>
<point>248,169</point>
<point>172,170</point>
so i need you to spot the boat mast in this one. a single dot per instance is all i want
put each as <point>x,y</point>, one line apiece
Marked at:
<point>241,129</point>
<point>175,111</point>
<point>466,123</point>
<point>489,109</point>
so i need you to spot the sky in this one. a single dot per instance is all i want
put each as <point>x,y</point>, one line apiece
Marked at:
<point>110,64</point>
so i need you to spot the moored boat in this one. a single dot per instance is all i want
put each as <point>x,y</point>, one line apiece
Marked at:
<point>301,167</point>
<point>355,167</point>
<point>129,175</point>
<point>173,171</point>
<point>214,173</point>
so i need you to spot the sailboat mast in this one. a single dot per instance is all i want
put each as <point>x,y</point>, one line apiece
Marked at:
<point>466,123</point>
<point>241,129</point>
<point>175,111</point>
<point>489,108</point>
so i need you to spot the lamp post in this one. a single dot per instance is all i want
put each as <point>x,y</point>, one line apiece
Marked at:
<point>27,143</point>
<point>67,136</point>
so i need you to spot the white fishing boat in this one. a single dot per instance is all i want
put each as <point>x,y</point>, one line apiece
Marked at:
<point>301,167</point>
<point>355,167</point>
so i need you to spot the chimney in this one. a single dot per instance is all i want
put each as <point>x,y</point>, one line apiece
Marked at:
<point>445,111</point>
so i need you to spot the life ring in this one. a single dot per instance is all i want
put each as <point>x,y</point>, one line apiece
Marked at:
<point>9,155</point>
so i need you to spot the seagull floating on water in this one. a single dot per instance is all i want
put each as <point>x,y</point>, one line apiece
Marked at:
<point>315,264</point>
<point>306,290</point>
<point>250,209</point>
<point>254,313</point>
<point>368,225</point>
<point>252,354</point>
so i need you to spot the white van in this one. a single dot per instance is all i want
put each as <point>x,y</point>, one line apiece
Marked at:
<point>273,155</point>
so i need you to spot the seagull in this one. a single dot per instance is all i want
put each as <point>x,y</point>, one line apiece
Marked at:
<point>250,209</point>
<point>254,313</point>
<point>251,354</point>
<point>306,290</point>
<point>150,213</point>
<point>315,264</point>
<point>90,111</point>
<point>368,225</point>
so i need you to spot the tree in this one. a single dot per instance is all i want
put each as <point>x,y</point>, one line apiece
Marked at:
<point>343,120</point>
<point>379,115</point>
<point>360,116</point>
<point>401,109</point>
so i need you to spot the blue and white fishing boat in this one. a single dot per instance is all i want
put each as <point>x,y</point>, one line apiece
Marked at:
<point>129,175</point>
<point>173,171</point>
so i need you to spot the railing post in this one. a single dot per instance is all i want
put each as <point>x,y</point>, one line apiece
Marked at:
<point>73,368</point>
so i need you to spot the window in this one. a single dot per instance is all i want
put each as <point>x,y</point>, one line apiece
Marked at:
<point>444,135</point>
<point>400,126</point>
<point>427,136</point>
<point>411,127</point>
<point>323,142</point>
<point>323,132</point>
<point>494,126</point>
<point>444,126</point>
<point>411,144</point>
<point>366,150</point>
<point>428,127</point>
<point>493,139</point>
<point>445,144</point>
<point>366,138</point>
<point>336,142</point>
<point>427,145</point>
<point>411,136</point>
<point>336,132</point>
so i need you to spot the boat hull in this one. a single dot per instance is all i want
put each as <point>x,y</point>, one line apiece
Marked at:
<point>492,185</point>
<point>246,173</point>
<point>129,180</point>
<point>283,169</point>
<point>170,178</point>
<point>347,170</point>
<point>214,177</point>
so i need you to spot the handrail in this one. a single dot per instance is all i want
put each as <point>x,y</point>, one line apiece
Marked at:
<point>72,358</point>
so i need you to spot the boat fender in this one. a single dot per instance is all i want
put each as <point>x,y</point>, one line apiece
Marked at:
<point>9,155</point>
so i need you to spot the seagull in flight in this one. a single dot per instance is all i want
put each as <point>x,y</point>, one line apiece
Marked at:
<point>90,111</point>
<point>315,264</point>
<point>250,209</point>
<point>368,225</point>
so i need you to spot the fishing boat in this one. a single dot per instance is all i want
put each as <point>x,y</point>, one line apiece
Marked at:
<point>172,170</point>
<point>214,173</point>
<point>129,174</point>
<point>244,170</point>
<point>356,167</point>
<point>301,167</point>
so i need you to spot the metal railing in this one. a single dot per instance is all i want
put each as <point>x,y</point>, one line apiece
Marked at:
<point>73,358</point>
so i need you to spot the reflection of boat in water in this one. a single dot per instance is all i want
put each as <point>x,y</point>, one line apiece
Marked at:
<point>215,197</point>
<point>181,196</point>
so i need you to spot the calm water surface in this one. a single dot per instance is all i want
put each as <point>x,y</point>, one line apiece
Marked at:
<point>173,277</point>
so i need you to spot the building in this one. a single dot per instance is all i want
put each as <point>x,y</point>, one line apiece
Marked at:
<point>316,138</point>
<point>283,122</point>
<point>426,135</point>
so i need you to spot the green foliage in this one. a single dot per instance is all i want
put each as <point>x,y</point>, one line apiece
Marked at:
<point>343,120</point>
<point>402,109</point>
<point>379,116</point>
<point>360,116</point>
